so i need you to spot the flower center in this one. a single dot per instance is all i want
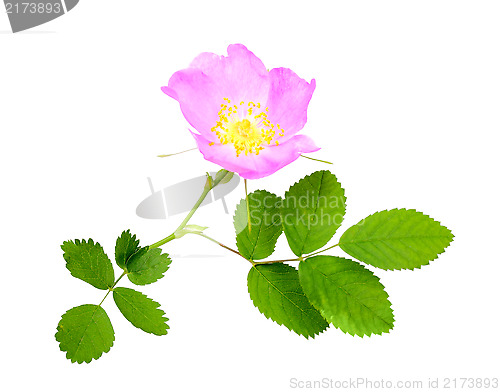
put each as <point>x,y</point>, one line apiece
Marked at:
<point>246,127</point>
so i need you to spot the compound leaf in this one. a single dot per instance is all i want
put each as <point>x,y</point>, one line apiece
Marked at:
<point>313,210</point>
<point>396,239</point>
<point>259,241</point>
<point>141,311</point>
<point>126,246</point>
<point>147,266</point>
<point>347,294</point>
<point>275,290</point>
<point>85,333</point>
<point>88,262</point>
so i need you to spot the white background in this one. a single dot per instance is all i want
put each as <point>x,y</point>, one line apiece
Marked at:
<point>406,107</point>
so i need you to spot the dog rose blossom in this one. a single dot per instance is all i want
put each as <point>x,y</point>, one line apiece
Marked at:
<point>246,117</point>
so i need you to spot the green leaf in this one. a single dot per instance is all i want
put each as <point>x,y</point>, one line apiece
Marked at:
<point>396,239</point>
<point>265,220</point>
<point>88,262</point>
<point>141,311</point>
<point>126,246</point>
<point>84,333</point>
<point>147,266</point>
<point>347,294</point>
<point>313,210</point>
<point>275,290</point>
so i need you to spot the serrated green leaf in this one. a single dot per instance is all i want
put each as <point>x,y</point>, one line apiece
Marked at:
<point>258,242</point>
<point>313,210</point>
<point>147,266</point>
<point>275,290</point>
<point>85,333</point>
<point>126,246</point>
<point>396,239</point>
<point>88,262</point>
<point>347,294</point>
<point>141,311</point>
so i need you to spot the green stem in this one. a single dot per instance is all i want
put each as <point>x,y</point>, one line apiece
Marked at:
<point>239,254</point>
<point>224,246</point>
<point>193,210</point>
<point>112,287</point>
<point>109,291</point>
<point>117,280</point>
<point>321,251</point>
<point>184,222</point>
<point>248,208</point>
<point>298,258</point>
<point>211,184</point>
<point>278,261</point>
<point>163,241</point>
<point>314,159</point>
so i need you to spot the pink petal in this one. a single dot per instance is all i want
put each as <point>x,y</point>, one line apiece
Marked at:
<point>289,98</point>
<point>198,97</point>
<point>241,76</point>
<point>251,166</point>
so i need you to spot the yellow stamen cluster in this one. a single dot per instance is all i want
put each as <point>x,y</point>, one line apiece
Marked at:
<point>246,127</point>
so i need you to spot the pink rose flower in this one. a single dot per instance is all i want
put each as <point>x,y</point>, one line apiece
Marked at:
<point>247,118</point>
